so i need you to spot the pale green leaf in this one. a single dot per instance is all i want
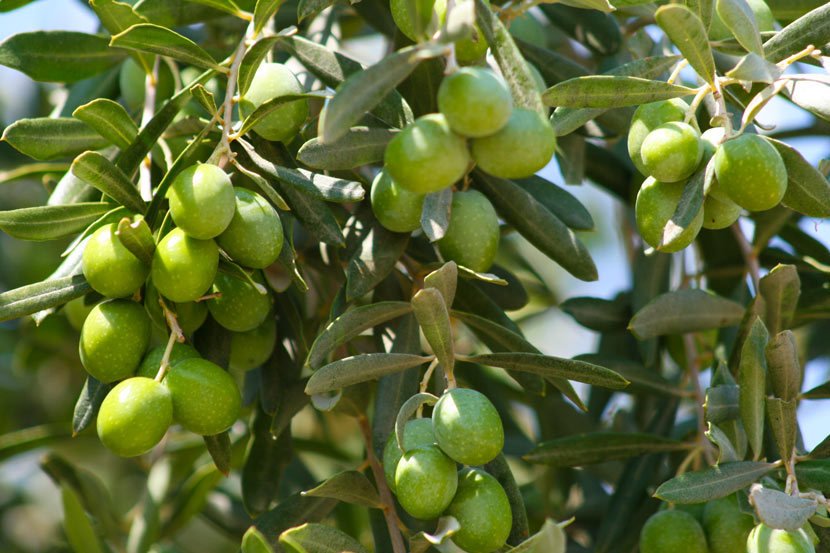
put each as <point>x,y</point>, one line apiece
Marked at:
<point>683,311</point>
<point>45,138</point>
<point>359,368</point>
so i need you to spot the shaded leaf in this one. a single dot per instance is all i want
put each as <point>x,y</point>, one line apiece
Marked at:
<point>683,311</point>
<point>558,201</point>
<point>45,138</point>
<point>422,541</point>
<point>726,451</point>
<point>219,448</point>
<point>109,119</point>
<point>265,461</point>
<point>58,56</point>
<point>254,542</point>
<point>752,377</point>
<point>349,486</point>
<point>360,368</point>
<point>549,366</point>
<point>86,408</point>
<point>374,259</point>
<point>738,17</point>
<point>690,204</point>
<point>50,222</point>
<point>293,510</point>
<point>191,497</point>
<point>808,191</point>
<point>598,314</point>
<point>722,403</point>
<point>101,173</point>
<point>780,289</point>
<point>611,91</point>
<point>782,421</point>
<point>26,439</point>
<point>712,483</point>
<point>359,146</point>
<point>79,530</point>
<point>433,317</point>
<point>155,39</point>
<point>599,447</point>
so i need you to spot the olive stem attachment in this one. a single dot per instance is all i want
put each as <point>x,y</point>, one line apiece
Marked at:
<point>176,335</point>
<point>682,64</point>
<point>393,523</point>
<point>165,360</point>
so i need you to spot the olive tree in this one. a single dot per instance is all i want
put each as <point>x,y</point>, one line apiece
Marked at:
<point>297,283</point>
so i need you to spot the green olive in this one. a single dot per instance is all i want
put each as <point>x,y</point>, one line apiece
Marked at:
<point>131,80</point>
<point>763,539</point>
<point>134,416</point>
<point>77,311</point>
<point>718,214</point>
<point>395,207</point>
<point>472,238</point>
<point>467,50</point>
<point>184,268</point>
<point>672,530</point>
<point>114,338</point>
<point>416,432</point>
<point>655,205</point>
<point>239,306</point>
<point>751,172</point>
<point>427,156</point>
<point>252,348</point>
<point>467,427</point>
<point>648,117</point>
<point>206,399</point>
<point>522,147</point>
<point>109,267</point>
<point>149,366</point>
<point>482,510</point>
<point>727,527</point>
<point>202,201</point>
<point>672,151</point>
<point>425,481</point>
<point>275,80</point>
<point>191,315</point>
<point>254,237</point>
<point>475,102</point>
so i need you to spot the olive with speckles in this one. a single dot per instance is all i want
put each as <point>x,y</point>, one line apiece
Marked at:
<point>672,530</point>
<point>751,172</point>
<point>114,338</point>
<point>134,416</point>
<point>764,539</point>
<point>425,481</point>
<point>472,238</point>
<point>483,512</point>
<point>109,267</point>
<point>252,348</point>
<point>206,399</point>
<point>416,432</point>
<point>254,237</point>
<point>396,208</point>
<point>727,527</point>
<point>467,427</point>
<point>239,306</point>
<point>656,203</point>
<point>523,146</point>
<point>648,117</point>
<point>150,364</point>
<point>201,201</point>
<point>183,267</point>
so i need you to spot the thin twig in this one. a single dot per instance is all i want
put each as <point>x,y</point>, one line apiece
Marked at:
<point>749,254</point>
<point>392,522</point>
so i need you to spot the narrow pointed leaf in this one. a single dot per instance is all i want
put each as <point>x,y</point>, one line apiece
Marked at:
<point>683,311</point>
<point>780,289</point>
<point>109,119</point>
<point>433,317</point>
<point>808,191</point>
<point>558,201</point>
<point>154,39</point>
<point>264,11</point>
<point>270,106</point>
<point>50,222</point>
<point>254,542</point>
<point>445,280</point>
<point>435,214</point>
<point>45,138</point>
<point>227,6</point>
<point>58,56</point>
<point>783,365</point>
<point>811,28</point>
<point>599,447</point>
<point>319,538</point>
<point>598,314</point>
<point>360,368</point>
<point>41,295</point>
<point>738,17</point>
<point>351,487</point>
<point>359,146</point>
<point>712,483</point>
<point>78,527</point>
<point>374,259</point>
<point>610,91</point>
<point>686,31</point>
<point>351,324</point>
<point>100,172</point>
<point>548,366</point>
<point>137,237</point>
<point>291,511</point>
<point>752,378</point>
<point>690,204</point>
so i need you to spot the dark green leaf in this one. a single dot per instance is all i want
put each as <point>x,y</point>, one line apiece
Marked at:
<point>722,403</point>
<point>598,314</point>
<point>377,255</point>
<point>101,173</point>
<point>752,378</point>
<point>780,289</point>
<point>349,486</point>
<point>689,206</point>
<point>293,510</point>
<point>219,447</point>
<point>686,31</point>
<point>683,311</point>
<point>86,408</point>
<point>782,421</point>
<point>58,56</point>
<point>599,447</point>
<point>265,461</point>
<point>359,146</point>
<point>549,366</point>
<point>808,191</point>
<point>79,530</point>
<point>712,483</point>
<point>539,226</point>
<point>360,368</point>
<point>500,470</point>
<point>559,201</point>
<point>110,120</point>
<point>50,222</point>
<point>154,39</point>
<point>41,295</point>
<point>46,138</point>
<point>610,91</point>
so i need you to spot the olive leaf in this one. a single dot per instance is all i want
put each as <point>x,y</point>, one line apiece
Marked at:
<point>712,483</point>
<point>349,486</point>
<point>599,447</point>
<point>109,119</point>
<point>435,214</point>
<point>100,172</point>
<point>686,31</point>
<point>360,368</point>
<point>359,146</point>
<point>808,191</point>
<point>752,380</point>
<point>738,17</point>
<point>611,91</point>
<point>781,510</point>
<point>433,317</point>
<point>445,280</point>
<point>683,311</point>
<point>155,39</point>
<point>548,366</point>
<point>45,138</point>
<point>41,295</point>
<point>319,537</point>
<point>50,222</point>
<point>811,28</point>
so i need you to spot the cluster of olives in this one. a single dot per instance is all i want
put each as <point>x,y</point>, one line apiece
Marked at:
<point>465,428</point>
<point>749,173</point>
<point>209,214</point>
<point>433,153</point>
<point>719,526</point>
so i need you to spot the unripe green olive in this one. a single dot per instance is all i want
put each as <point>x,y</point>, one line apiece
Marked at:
<point>711,139</point>
<point>253,348</point>
<point>763,539</point>
<point>149,366</point>
<point>109,267</point>
<point>475,101</point>
<point>672,530</point>
<point>76,312</point>
<point>114,338</point>
<point>132,81</point>
<point>751,172</point>
<point>467,427</point>
<point>482,510</point>
<point>718,214</point>
<point>416,432</point>
<point>425,481</point>
<point>134,416</point>
<point>274,80</point>
<point>206,399</point>
<point>427,156</point>
<point>522,147</point>
<point>472,238</point>
<point>254,237</point>
<point>202,201</point>
<point>527,28</point>
<point>191,315</point>
<point>727,527</point>
<point>694,509</point>
<point>648,117</point>
<point>240,307</point>
<point>672,151</point>
<point>395,207</point>
<point>763,18</point>
<point>655,205</point>
<point>184,268</point>
<point>467,50</point>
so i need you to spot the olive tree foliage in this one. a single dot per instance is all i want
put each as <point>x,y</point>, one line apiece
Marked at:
<point>353,299</point>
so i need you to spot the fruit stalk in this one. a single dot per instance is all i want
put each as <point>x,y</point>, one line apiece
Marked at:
<point>393,524</point>
<point>223,149</point>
